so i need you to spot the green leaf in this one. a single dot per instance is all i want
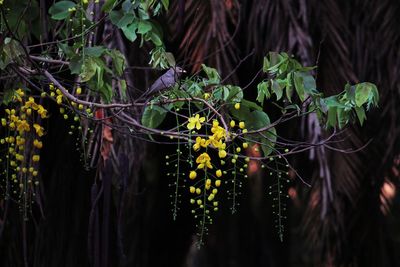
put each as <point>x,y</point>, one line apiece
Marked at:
<point>262,91</point>
<point>75,65</point>
<point>250,105</point>
<point>108,5</point>
<point>276,88</point>
<point>155,39</point>
<point>10,52</point>
<point>235,94</point>
<point>94,51</point>
<point>343,117</point>
<point>153,116</point>
<point>299,85</point>
<point>67,50</point>
<point>127,6</point>
<point>289,87</point>
<point>221,93</point>
<point>144,26</point>
<point>165,4</point>
<point>366,93</point>
<point>257,120</point>
<point>120,19</point>
<point>106,92</point>
<point>332,115</point>
<point>211,73</point>
<point>350,92</point>
<point>89,68</point>
<point>130,31</point>
<point>360,114</point>
<point>310,86</point>
<point>266,64</point>
<point>8,96</point>
<point>59,10</point>
<point>170,58</point>
<point>118,61</point>
<point>123,87</point>
<point>362,93</point>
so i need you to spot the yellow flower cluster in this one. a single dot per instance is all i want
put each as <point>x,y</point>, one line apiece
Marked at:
<point>21,125</point>
<point>216,140</point>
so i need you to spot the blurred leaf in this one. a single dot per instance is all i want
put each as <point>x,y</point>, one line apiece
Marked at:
<point>360,114</point>
<point>299,85</point>
<point>94,51</point>
<point>211,73</point>
<point>118,61</point>
<point>144,26</point>
<point>108,5</point>
<point>276,88</point>
<point>257,120</point>
<point>130,31</point>
<point>121,20</point>
<point>75,64</point>
<point>153,116</point>
<point>250,105</point>
<point>262,91</point>
<point>235,94</point>
<point>89,68</point>
<point>59,10</point>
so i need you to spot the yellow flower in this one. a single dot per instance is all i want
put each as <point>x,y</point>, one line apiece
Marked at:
<point>59,99</point>
<point>217,183</point>
<point>198,191</point>
<point>204,161</point>
<point>200,142</point>
<point>192,189</point>
<point>222,154</point>
<point>232,123</point>
<point>42,111</point>
<point>20,141</point>
<point>206,96</point>
<point>39,129</point>
<point>20,92</point>
<point>241,125</point>
<point>192,175</point>
<point>245,145</point>
<point>22,126</point>
<point>215,142</point>
<point>195,122</point>
<point>237,106</point>
<point>215,191</point>
<point>18,95</point>
<point>78,91</point>
<point>218,173</point>
<point>3,122</point>
<point>35,158</point>
<point>211,197</point>
<point>244,131</point>
<point>38,144</point>
<point>238,149</point>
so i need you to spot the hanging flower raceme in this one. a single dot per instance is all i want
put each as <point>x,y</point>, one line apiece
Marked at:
<point>195,122</point>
